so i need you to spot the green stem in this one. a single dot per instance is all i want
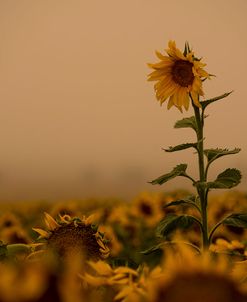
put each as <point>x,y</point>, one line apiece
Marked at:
<point>201,188</point>
<point>189,177</point>
<point>214,229</point>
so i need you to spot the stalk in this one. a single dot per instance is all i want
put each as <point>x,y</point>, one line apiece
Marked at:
<point>202,191</point>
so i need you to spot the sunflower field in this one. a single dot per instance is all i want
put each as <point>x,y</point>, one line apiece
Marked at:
<point>110,250</point>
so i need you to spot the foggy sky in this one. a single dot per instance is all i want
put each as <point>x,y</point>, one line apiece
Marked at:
<point>78,117</point>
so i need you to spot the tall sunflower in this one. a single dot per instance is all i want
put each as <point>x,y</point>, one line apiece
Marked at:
<point>179,76</point>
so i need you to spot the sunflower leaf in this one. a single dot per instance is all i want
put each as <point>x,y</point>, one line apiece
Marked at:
<point>181,147</point>
<point>236,220</point>
<point>188,122</point>
<point>213,154</point>
<point>207,102</point>
<point>172,222</point>
<point>179,170</point>
<point>189,200</point>
<point>226,180</point>
<point>153,249</point>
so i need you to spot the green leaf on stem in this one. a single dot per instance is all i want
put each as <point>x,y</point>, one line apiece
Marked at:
<point>153,249</point>
<point>179,170</point>
<point>172,222</point>
<point>186,201</point>
<point>236,220</point>
<point>188,122</point>
<point>213,154</point>
<point>226,180</point>
<point>207,102</point>
<point>181,147</point>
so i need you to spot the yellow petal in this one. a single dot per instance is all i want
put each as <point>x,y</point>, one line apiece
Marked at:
<point>101,267</point>
<point>125,270</point>
<point>51,222</point>
<point>42,233</point>
<point>125,292</point>
<point>170,102</point>
<point>187,102</point>
<point>90,219</point>
<point>174,52</point>
<point>100,242</point>
<point>162,57</point>
<point>182,92</point>
<point>35,255</point>
<point>197,84</point>
<point>65,218</point>
<point>163,64</point>
<point>195,99</point>
<point>95,281</point>
<point>170,91</point>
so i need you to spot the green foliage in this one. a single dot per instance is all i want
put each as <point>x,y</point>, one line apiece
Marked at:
<point>153,249</point>
<point>188,122</point>
<point>189,200</point>
<point>181,147</point>
<point>213,154</point>
<point>236,220</point>
<point>3,251</point>
<point>172,222</point>
<point>217,98</point>
<point>226,180</point>
<point>179,170</point>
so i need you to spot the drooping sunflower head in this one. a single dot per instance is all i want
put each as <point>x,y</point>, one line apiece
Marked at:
<point>68,236</point>
<point>179,76</point>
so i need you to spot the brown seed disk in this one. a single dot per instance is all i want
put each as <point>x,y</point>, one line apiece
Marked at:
<point>182,73</point>
<point>146,209</point>
<point>200,287</point>
<point>69,239</point>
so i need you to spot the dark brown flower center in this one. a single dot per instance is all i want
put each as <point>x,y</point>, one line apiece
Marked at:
<point>182,73</point>
<point>200,287</point>
<point>146,209</point>
<point>70,238</point>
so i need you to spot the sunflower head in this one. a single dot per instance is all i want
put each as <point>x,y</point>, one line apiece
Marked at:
<point>147,207</point>
<point>68,236</point>
<point>179,77</point>
<point>189,277</point>
<point>8,220</point>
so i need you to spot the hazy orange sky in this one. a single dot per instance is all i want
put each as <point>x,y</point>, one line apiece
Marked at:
<point>78,117</point>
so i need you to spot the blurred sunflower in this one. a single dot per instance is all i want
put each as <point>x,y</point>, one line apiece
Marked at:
<point>41,281</point>
<point>73,235</point>
<point>21,282</point>
<point>179,76</point>
<point>15,234</point>
<point>103,274</point>
<point>234,248</point>
<point>188,277</point>
<point>70,208</point>
<point>147,207</point>
<point>113,242</point>
<point>8,220</point>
